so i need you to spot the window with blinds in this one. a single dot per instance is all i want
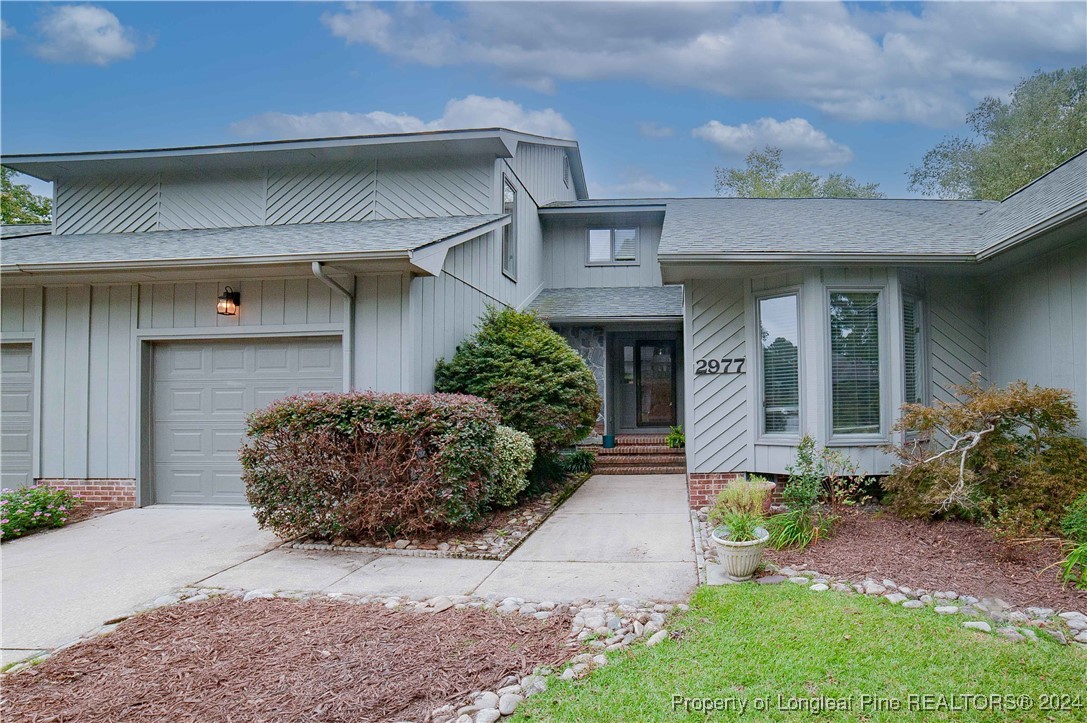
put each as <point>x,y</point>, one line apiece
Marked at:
<point>854,362</point>
<point>613,245</point>
<point>780,360</point>
<point>912,350</point>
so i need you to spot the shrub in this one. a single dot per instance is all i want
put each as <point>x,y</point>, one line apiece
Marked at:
<point>815,474</point>
<point>364,464</point>
<point>1074,522</point>
<point>27,509</point>
<point>580,461</point>
<point>539,384</point>
<point>1005,456</point>
<point>745,495</point>
<point>513,454</point>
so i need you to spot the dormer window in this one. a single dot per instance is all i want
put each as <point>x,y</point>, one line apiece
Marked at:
<point>613,246</point>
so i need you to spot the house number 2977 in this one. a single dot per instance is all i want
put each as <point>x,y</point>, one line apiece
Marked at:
<point>733,365</point>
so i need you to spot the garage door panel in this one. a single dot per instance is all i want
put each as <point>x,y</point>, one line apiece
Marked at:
<point>199,408</point>
<point>16,414</point>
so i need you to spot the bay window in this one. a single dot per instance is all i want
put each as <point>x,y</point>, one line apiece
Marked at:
<point>779,347</point>
<point>854,362</point>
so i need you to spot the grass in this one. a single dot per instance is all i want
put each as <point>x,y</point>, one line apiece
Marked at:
<point>751,644</point>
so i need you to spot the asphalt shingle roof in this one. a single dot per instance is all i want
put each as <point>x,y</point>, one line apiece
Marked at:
<point>231,243</point>
<point>15,230</point>
<point>623,301</point>
<point>820,225</point>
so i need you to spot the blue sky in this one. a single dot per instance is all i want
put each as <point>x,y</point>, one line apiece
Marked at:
<point>657,94</point>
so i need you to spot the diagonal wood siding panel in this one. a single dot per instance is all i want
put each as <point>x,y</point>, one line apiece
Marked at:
<point>113,205</point>
<point>959,333</point>
<point>341,192</point>
<point>720,400</point>
<point>421,189</point>
<point>211,200</point>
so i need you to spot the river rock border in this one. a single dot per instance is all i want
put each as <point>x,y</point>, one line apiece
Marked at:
<point>491,546</point>
<point>1066,628</point>
<point>600,626</point>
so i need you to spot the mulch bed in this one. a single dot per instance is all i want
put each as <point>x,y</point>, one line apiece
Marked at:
<point>282,660</point>
<point>946,555</point>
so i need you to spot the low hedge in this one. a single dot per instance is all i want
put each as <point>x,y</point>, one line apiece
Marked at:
<point>366,464</point>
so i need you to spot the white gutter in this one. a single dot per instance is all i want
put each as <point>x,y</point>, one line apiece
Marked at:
<point>348,325</point>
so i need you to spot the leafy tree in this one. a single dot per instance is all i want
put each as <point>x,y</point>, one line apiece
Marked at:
<point>19,205</point>
<point>765,177</point>
<point>1042,126</point>
<point>539,384</point>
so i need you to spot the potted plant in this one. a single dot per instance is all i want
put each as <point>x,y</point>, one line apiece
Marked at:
<point>676,439</point>
<point>739,533</point>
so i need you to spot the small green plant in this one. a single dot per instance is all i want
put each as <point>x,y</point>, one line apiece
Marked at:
<point>739,509</point>
<point>514,453</point>
<point>813,476</point>
<point>580,461</point>
<point>1074,522</point>
<point>27,509</point>
<point>676,438</point>
<point>740,526</point>
<point>1074,566</point>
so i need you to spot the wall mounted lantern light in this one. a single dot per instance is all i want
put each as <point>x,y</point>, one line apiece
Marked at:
<point>229,301</point>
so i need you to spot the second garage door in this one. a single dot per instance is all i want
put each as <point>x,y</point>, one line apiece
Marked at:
<point>201,394</point>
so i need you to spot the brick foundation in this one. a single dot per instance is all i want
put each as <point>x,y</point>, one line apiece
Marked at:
<point>703,487</point>
<point>109,493</point>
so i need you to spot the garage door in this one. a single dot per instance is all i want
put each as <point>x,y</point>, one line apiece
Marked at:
<point>201,394</point>
<point>16,414</point>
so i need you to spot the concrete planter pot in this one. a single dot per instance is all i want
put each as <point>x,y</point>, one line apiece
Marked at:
<point>740,559</point>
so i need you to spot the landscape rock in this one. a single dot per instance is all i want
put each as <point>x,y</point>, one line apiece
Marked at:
<point>819,587</point>
<point>913,604</point>
<point>895,598</point>
<point>656,638</point>
<point>488,715</point>
<point>508,703</point>
<point>946,609</point>
<point>978,625</point>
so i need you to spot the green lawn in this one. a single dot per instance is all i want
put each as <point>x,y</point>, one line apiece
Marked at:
<point>752,644</point>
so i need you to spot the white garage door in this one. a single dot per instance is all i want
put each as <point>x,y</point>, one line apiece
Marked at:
<point>201,394</point>
<point>16,414</point>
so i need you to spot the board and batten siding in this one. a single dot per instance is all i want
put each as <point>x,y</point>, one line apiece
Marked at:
<point>1038,324</point>
<point>958,333</point>
<point>566,254</point>
<point>264,302</point>
<point>316,193</point>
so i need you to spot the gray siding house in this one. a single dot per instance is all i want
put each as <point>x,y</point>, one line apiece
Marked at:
<point>178,289</point>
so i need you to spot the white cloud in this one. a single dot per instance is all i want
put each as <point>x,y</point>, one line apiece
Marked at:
<point>633,183</point>
<point>859,62</point>
<point>472,111</point>
<point>800,141</point>
<point>6,31</point>
<point>85,34</point>
<point>655,130</point>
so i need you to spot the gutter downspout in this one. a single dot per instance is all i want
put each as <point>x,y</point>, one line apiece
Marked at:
<point>349,322</point>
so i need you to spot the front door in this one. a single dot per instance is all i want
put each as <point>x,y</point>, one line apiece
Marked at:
<point>647,392</point>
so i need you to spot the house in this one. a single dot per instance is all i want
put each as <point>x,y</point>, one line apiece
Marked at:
<point>177,289</point>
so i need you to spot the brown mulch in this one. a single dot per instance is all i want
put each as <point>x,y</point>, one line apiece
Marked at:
<point>281,660</point>
<point>945,555</point>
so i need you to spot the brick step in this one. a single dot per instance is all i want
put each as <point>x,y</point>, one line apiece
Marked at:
<point>638,439</point>
<point>640,470</point>
<point>659,449</point>
<point>656,460</point>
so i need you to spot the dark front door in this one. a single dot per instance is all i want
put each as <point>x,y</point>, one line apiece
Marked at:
<point>655,382</point>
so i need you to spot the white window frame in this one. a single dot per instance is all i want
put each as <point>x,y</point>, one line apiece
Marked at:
<point>921,320</point>
<point>839,439</point>
<point>761,435</point>
<point>509,231</point>
<point>611,245</point>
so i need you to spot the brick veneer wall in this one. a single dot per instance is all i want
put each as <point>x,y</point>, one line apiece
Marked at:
<point>111,493</point>
<point>703,487</point>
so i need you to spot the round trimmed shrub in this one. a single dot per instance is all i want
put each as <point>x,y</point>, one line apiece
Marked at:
<point>539,383</point>
<point>513,454</point>
<point>365,464</point>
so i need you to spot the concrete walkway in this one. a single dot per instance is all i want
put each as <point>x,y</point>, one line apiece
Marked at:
<point>617,536</point>
<point>63,583</point>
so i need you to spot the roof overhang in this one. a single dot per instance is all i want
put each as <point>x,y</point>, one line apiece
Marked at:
<point>492,142</point>
<point>591,210</point>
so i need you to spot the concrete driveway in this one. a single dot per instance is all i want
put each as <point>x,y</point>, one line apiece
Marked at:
<point>63,583</point>
<point>617,536</point>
